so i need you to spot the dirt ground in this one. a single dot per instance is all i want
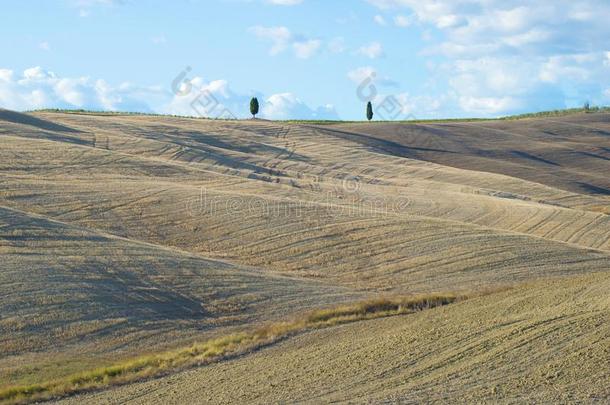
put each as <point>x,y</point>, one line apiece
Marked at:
<point>124,235</point>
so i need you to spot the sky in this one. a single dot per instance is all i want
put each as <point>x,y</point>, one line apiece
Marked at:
<point>306,59</point>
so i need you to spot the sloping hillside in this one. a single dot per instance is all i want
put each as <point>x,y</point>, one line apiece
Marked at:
<point>544,343</point>
<point>122,235</point>
<point>568,152</point>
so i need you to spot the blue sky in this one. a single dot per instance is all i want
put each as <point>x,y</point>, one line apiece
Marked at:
<point>306,59</point>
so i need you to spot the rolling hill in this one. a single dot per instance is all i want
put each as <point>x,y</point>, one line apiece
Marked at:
<point>128,235</point>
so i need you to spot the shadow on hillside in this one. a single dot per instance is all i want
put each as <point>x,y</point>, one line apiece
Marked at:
<point>383,145</point>
<point>592,189</point>
<point>26,119</point>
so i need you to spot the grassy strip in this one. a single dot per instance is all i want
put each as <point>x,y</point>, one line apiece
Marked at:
<point>216,349</point>
<point>558,113</point>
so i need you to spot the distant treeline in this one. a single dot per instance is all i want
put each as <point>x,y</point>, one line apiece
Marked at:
<point>552,113</point>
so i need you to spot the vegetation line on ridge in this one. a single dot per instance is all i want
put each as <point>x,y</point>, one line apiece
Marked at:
<point>539,114</point>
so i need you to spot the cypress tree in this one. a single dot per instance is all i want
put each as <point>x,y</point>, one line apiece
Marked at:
<point>369,111</point>
<point>254,107</point>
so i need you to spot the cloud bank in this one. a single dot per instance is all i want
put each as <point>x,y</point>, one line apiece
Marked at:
<point>498,57</point>
<point>37,88</point>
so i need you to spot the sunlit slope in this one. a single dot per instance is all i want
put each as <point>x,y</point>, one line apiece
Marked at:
<point>544,343</point>
<point>301,201</point>
<point>122,235</point>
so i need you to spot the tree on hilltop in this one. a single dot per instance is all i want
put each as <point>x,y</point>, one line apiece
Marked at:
<point>369,111</point>
<point>254,107</point>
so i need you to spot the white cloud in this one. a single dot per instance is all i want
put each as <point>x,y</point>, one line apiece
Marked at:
<point>529,37</point>
<point>108,99</point>
<point>581,12</point>
<point>93,3</point>
<point>337,45</point>
<point>282,39</point>
<point>380,20</point>
<point>44,45</point>
<point>578,67</point>
<point>491,86</point>
<point>306,49</point>
<point>369,74</point>
<point>285,2</point>
<point>499,85</point>
<point>407,106</point>
<point>372,50</point>
<point>475,77</point>
<point>512,19</point>
<point>72,91</point>
<point>447,21</point>
<point>39,88</point>
<point>487,105</point>
<point>6,75</point>
<point>507,56</point>
<point>349,18</point>
<point>402,21</point>
<point>362,73</point>
<point>387,4</point>
<point>159,40</point>
<point>279,36</point>
<point>607,59</point>
<point>215,99</point>
<point>438,12</point>
<point>36,73</point>
<point>206,99</point>
<point>85,7</point>
<point>287,106</point>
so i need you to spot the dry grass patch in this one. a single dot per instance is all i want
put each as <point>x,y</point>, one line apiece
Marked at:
<point>223,347</point>
<point>604,209</point>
